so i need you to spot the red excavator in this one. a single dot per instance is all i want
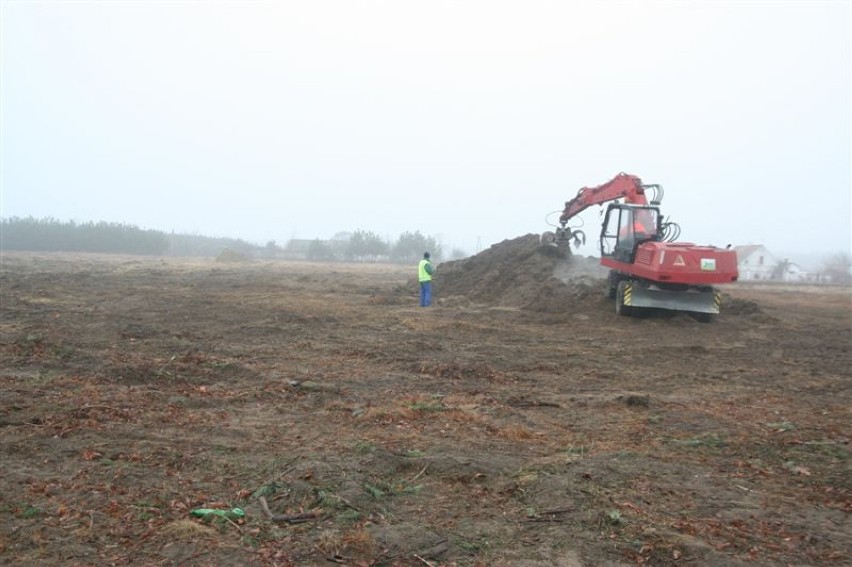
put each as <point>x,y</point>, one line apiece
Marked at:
<point>647,268</point>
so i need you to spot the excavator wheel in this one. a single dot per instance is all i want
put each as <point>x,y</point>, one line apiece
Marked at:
<point>612,284</point>
<point>622,293</point>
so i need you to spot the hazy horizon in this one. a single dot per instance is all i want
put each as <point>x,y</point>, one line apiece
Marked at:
<point>466,121</point>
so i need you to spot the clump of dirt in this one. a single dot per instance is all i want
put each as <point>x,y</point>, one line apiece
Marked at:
<point>522,273</point>
<point>739,306</point>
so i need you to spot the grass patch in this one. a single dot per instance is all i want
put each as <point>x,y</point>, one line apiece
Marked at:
<point>363,447</point>
<point>427,406</point>
<point>374,491</point>
<point>348,516</point>
<point>713,441</point>
<point>472,546</point>
<point>613,517</point>
<point>628,455</point>
<point>266,490</point>
<point>24,511</point>
<point>28,512</point>
<point>380,490</point>
<point>146,511</point>
<point>63,351</point>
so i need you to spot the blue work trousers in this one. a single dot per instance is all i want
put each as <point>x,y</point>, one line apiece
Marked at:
<point>425,294</point>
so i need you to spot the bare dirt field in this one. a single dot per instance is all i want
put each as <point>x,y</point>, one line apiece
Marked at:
<point>517,422</point>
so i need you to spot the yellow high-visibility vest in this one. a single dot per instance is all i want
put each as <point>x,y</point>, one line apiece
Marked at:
<point>422,274</point>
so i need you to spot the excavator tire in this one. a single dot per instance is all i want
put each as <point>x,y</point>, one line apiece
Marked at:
<point>612,284</point>
<point>623,289</point>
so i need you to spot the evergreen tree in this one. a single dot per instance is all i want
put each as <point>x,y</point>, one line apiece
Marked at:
<point>410,247</point>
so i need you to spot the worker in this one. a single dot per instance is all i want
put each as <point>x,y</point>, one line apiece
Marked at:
<point>641,223</point>
<point>625,232</point>
<point>424,276</point>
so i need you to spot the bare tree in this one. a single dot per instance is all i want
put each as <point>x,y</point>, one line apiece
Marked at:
<point>838,267</point>
<point>779,272</point>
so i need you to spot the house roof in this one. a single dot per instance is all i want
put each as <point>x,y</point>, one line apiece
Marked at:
<point>744,252</point>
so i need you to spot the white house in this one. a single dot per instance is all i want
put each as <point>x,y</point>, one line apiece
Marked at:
<point>755,262</point>
<point>794,273</point>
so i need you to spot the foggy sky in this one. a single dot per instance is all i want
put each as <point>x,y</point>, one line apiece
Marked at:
<point>470,121</point>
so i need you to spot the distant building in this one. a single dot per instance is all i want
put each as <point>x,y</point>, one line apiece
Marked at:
<point>756,262</point>
<point>794,273</point>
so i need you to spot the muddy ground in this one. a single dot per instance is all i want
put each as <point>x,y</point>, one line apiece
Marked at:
<point>500,427</point>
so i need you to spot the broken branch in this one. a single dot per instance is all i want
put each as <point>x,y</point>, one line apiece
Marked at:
<point>289,518</point>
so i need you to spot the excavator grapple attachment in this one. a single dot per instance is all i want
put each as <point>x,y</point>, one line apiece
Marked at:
<point>563,237</point>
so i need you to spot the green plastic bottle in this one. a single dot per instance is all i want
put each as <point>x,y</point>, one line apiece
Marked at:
<point>232,514</point>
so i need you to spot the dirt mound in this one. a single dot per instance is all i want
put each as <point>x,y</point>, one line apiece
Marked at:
<point>228,255</point>
<point>522,273</point>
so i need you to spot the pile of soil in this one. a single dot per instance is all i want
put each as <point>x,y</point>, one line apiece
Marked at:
<point>227,255</point>
<point>523,273</point>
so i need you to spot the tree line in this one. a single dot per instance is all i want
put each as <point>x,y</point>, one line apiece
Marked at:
<point>367,246</point>
<point>52,235</point>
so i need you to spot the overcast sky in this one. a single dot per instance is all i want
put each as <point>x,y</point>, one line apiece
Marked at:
<point>466,120</point>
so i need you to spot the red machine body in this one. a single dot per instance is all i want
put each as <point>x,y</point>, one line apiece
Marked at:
<point>679,263</point>
<point>647,268</point>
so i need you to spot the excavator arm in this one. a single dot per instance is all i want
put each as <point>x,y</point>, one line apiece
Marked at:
<point>622,186</point>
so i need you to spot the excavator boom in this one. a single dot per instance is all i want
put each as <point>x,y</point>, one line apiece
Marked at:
<point>622,186</point>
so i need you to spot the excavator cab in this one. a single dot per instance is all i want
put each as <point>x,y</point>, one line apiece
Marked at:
<point>625,227</point>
